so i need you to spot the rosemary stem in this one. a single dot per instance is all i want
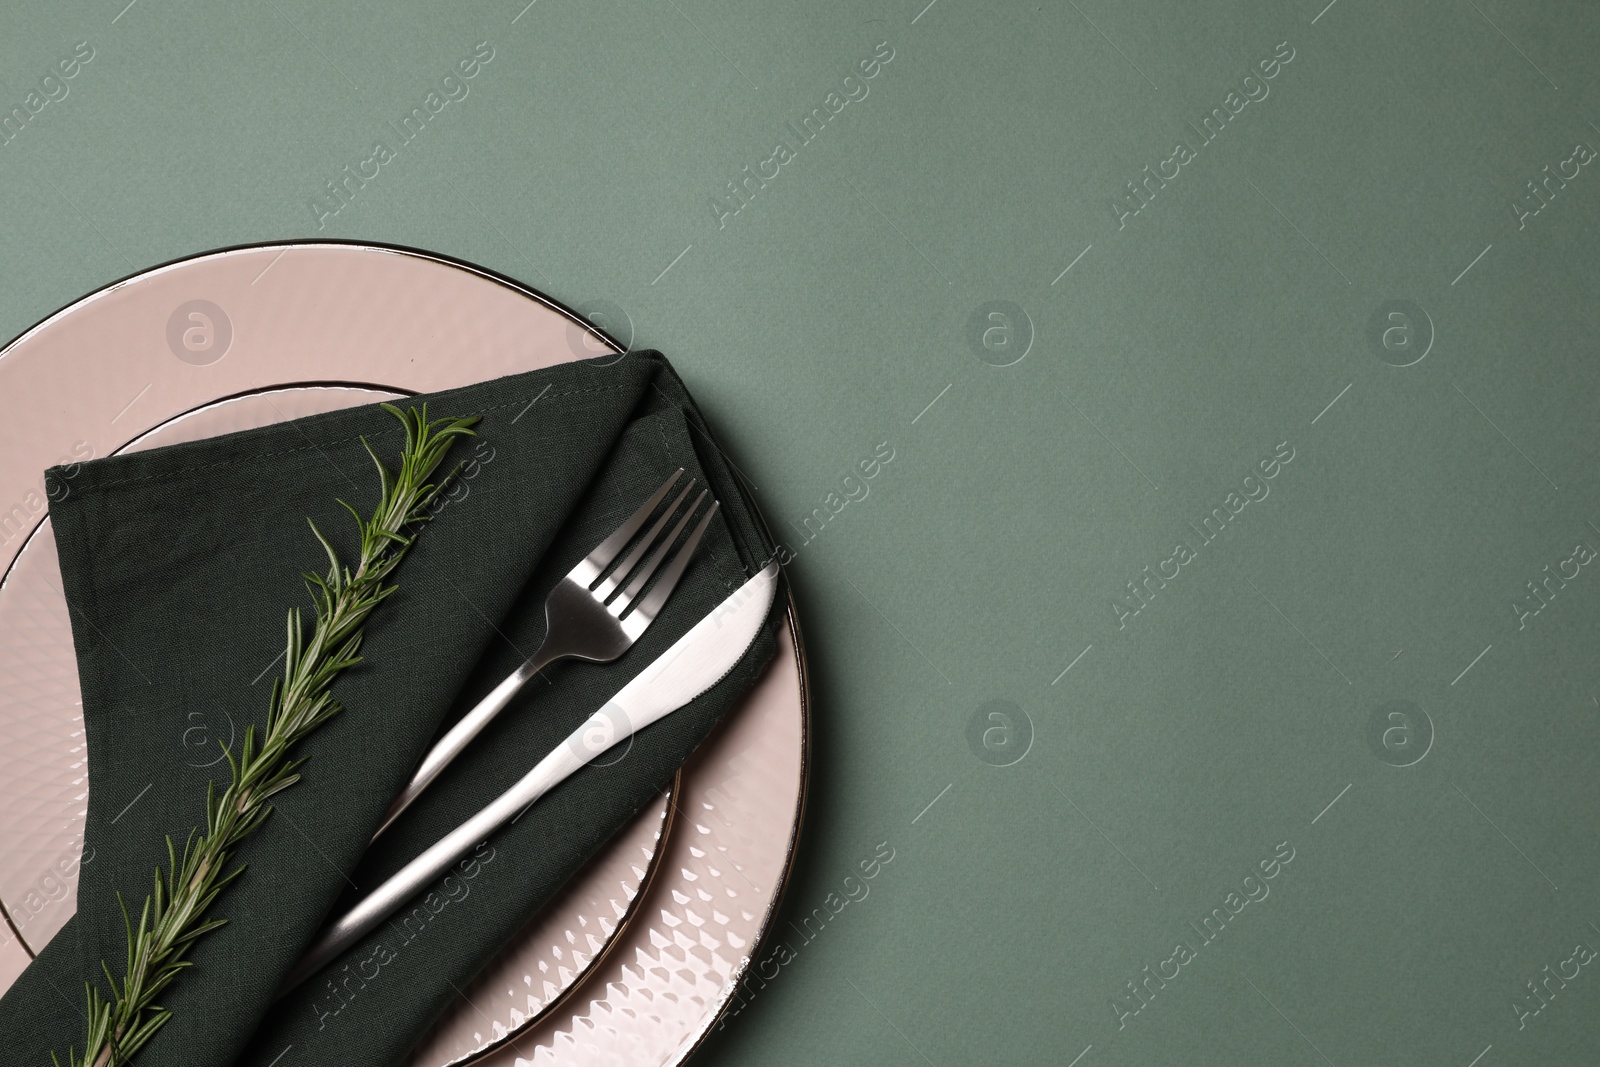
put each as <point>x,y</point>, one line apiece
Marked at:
<point>172,919</point>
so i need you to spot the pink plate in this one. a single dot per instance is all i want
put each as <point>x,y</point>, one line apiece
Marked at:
<point>638,957</point>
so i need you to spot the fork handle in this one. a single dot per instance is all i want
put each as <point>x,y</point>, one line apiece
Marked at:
<point>415,876</point>
<point>471,725</point>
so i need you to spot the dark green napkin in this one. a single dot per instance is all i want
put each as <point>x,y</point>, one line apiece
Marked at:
<point>179,565</point>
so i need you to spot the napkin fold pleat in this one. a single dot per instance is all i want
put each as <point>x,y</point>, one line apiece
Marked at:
<point>179,565</point>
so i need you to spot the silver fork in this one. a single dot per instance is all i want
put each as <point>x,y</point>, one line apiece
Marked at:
<point>585,617</point>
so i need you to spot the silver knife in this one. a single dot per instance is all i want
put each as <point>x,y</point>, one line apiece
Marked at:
<point>700,659</point>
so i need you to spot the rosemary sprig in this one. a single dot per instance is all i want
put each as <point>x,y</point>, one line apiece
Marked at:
<point>174,915</point>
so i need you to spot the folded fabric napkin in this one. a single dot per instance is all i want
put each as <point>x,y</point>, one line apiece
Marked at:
<point>179,565</point>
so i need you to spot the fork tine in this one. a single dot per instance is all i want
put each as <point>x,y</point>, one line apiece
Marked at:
<point>646,609</point>
<point>658,553</point>
<point>631,560</point>
<point>606,551</point>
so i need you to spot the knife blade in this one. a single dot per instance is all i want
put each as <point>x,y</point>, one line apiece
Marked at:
<point>696,661</point>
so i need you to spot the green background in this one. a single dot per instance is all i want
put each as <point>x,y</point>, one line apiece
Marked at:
<point>823,319</point>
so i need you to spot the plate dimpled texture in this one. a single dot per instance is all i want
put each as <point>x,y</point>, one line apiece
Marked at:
<point>42,752</point>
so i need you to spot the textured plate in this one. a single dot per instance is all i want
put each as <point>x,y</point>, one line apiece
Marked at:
<point>255,335</point>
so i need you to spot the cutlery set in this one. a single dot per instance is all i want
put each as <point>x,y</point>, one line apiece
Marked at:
<point>596,612</point>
